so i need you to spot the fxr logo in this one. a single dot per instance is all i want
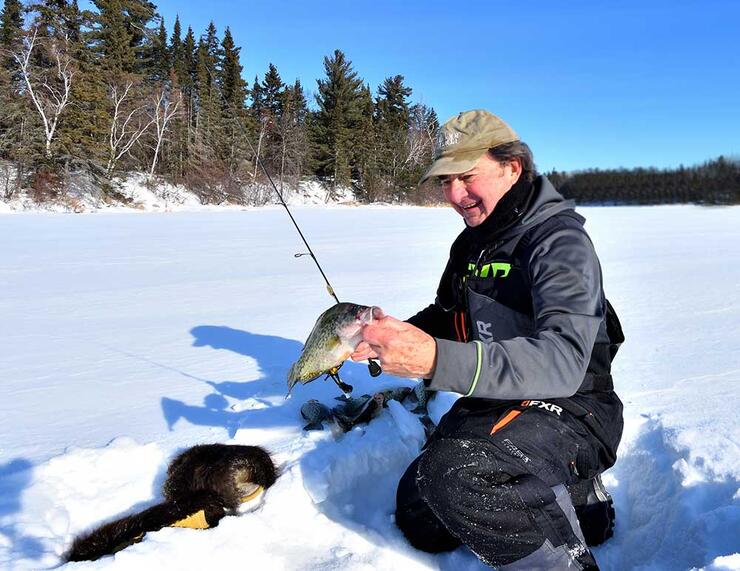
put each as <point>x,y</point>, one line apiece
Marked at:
<point>542,404</point>
<point>484,330</point>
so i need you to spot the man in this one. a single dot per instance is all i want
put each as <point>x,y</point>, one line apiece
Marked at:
<point>522,329</point>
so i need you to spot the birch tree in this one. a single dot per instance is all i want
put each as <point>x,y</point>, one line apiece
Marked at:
<point>126,127</point>
<point>163,112</point>
<point>48,89</point>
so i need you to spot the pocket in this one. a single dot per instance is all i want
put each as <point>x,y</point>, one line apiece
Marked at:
<point>493,321</point>
<point>600,456</point>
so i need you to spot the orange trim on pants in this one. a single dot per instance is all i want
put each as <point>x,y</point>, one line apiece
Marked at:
<point>511,415</point>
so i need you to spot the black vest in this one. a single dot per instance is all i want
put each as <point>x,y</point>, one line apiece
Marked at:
<point>488,288</point>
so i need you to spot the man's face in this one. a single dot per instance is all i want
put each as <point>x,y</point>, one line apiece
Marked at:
<point>475,193</point>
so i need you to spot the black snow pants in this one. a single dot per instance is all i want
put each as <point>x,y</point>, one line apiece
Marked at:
<point>493,477</point>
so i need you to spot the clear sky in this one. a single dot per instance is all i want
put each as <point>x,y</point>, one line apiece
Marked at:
<point>586,83</point>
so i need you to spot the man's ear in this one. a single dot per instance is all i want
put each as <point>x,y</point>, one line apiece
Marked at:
<point>516,169</point>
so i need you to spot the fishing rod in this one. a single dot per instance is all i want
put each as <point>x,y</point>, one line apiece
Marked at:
<point>372,365</point>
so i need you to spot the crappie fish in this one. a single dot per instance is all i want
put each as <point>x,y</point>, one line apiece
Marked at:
<point>315,413</point>
<point>332,340</point>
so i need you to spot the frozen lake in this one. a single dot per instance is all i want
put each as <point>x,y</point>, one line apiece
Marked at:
<point>126,337</point>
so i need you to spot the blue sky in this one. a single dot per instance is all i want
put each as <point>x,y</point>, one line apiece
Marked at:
<point>586,84</point>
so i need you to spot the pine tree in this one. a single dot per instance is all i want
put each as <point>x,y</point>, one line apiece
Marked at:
<point>116,50</point>
<point>291,134</point>
<point>122,34</point>
<point>187,81</point>
<point>208,105</point>
<point>188,71</point>
<point>272,93</point>
<point>370,187</point>
<point>11,107</point>
<point>337,118</point>
<point>272,109</point>
<point>233,87</point>
<point>85,126</point>
<point>234,95</point>
<point>392,124</point>
<point>177,53</point>
<point>257,99</point>
<point>11,24</point>
<point>160,55</point>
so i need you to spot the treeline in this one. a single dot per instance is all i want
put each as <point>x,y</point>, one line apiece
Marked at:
<point>109,90</point>
<point>714,182</point>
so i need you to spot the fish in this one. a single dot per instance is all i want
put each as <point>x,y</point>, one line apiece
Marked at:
<point>421,395</point>
<point>359,410</point>
<point>315,413</point>
<point>332,340</point>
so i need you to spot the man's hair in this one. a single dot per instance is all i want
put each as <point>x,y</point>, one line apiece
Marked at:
<point>516,150</point>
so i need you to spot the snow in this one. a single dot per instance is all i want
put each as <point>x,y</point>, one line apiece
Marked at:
<point>139,192</point>
<point>126,337</point>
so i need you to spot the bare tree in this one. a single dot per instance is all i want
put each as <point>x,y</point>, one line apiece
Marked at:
<point>421,136</point>
<point>126,128</point>
<point>293,147</point>
<point>264,126</point>
<point>49,90</point>
<point>164,110</point>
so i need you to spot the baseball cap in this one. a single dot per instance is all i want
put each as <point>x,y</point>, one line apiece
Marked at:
<point>464,138</point>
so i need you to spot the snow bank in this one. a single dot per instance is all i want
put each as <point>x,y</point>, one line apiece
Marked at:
<point>137,192</point>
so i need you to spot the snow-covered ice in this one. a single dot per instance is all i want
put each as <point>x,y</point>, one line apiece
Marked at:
<point>126,337</point>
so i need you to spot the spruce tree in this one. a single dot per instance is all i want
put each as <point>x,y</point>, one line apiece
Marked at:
<point>337,119</point>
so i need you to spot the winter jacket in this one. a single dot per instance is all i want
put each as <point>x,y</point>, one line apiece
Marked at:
<point>520,311</point>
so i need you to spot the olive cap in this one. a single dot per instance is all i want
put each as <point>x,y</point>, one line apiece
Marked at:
<point>464,138</point>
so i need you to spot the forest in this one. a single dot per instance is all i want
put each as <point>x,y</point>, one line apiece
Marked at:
<point>108,91</point>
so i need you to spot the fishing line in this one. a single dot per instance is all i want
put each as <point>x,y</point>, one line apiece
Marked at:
<point>245,136</point>
<point>373,366</point>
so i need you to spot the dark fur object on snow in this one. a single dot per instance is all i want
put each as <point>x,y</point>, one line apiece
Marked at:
<point>209,477</point>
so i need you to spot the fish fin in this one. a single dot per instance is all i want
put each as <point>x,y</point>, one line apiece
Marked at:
<point>333,343</point>
<point>314,426</point>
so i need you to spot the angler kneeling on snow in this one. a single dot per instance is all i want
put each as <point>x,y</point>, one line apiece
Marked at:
<point>522,329</point>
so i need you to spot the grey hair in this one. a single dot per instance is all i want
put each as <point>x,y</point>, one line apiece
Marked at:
<point>516,150</point>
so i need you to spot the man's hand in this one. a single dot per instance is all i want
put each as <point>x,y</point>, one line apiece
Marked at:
<point>402,349</point>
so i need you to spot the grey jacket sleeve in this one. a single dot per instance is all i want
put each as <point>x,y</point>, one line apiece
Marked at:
<point>551,362</point>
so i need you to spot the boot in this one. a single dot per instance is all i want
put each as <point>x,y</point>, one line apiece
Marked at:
<point>594,508</point>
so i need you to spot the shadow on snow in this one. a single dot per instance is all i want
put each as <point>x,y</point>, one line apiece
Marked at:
<point>15,476</point>
<point>274,356</point>
<point>663,521</point>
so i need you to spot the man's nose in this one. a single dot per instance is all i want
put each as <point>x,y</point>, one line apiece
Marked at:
<point>457,190</point>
